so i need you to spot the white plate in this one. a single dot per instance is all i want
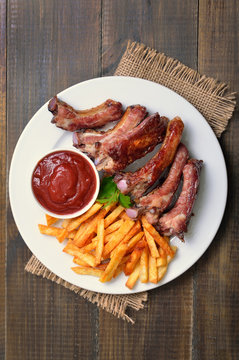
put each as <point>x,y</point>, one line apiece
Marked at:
<point>40,136</point>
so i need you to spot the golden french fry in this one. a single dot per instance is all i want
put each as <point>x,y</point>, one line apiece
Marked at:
<point>113,216</point>
<point>80,262</point>
<point>118,236</point>
<point>50,220</point>
<point>71,234</point>
<point>132,279</point>
<point>73,250</point>
<point>144,266</point>
<point>49,230</point>
<point>151,243</point>
<point>82,218</point>
<point>162,271</point>
<point>157,237</point>
<point>153,271</point>
<point>170,258</point>
<point>134,257</point>
<point>114,262</point>
<point>65,223</point>
<point>100,241</point>
<point>61,237</point>
<point>135,230</point>
<point>134,241</point>
<point>80,239</point>
<point>161,261</point>
<point>91,246</point>
<point>118,270</point>
<point>162,253</point>
<point>124,216</point>
<point>87,271</point>
<point>113,227</point>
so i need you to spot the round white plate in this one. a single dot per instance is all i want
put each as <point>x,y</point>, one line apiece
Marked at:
<point>41,136</point>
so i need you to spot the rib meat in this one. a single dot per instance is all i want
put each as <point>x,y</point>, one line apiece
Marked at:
<point>91,141</point>
<point>175,221</point>
<point>67,118</point>
<point>138,182</point>
<point>123,150</point>
<point>158,200</point>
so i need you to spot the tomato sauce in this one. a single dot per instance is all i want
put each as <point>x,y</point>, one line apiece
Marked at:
<point>64,182</point>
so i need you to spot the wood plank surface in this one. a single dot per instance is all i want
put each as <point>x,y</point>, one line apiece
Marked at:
<point>216,308</point>
<point>2,172</point>
<point>162,330</point>
<point>51,45</point>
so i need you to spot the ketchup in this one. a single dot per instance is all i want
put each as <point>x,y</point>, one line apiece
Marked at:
<point>63,182</point>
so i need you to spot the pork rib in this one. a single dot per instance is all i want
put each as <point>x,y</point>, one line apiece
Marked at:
<point>123,150</point>
<point>91,141</point>
<point>175,221</point>
<point>138,182</point>
<point>158,200</point>
<point>67,118</point>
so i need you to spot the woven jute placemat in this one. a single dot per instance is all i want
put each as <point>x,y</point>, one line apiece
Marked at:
<point>211,97</point>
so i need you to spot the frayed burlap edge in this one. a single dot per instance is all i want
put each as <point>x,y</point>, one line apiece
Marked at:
<point>208,95</point>
<point>114,304</point>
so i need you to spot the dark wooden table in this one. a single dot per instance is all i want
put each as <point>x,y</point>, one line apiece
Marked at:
<point>49,45</point>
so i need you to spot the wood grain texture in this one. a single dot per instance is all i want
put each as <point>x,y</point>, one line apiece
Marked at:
<point>216,307</point>
<point>51,45</point>
<point>168,26</point>
<point>163,329</point>
<point>2,172</point>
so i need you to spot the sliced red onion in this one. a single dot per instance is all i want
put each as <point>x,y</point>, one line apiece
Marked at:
<point>132,213</point>
<point>75,139</point>
<point>122,186</point>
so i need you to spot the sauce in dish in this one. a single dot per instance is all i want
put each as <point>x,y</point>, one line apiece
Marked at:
<point>64,182</point>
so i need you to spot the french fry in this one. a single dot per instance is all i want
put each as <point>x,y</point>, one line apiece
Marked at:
<point>81,239</point>
<point>113,216</point>
<point>134,257</point>
<point>118,271</point>
<point>82,218</point>
<point>162,253</point>
<point>157,237</point>
<point>50,220</point>
<point>49,230</point>
<point>153,271</point>
<point>135,230</point>
<point>151,243</point>
<point>134,241</point>
<point>170,258</point>
<point>100,241</point>
<point>82,229</point>
<point>132,279</point>
<point>80,262</point>
<point>73,250</point>
<point>91,246</point>
<point>124,216</point>
<point>65,223</point>
<point>114,262</point>
<point>161,261</point>
<point>87,271</point>
<point>61,237</point>
<point>144,266</point>
<point>72,234</point>
<point>162,271</point>
<point>118,236</point>
<point>113,227</point>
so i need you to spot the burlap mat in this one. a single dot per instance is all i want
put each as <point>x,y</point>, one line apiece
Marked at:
<point>208,95</point>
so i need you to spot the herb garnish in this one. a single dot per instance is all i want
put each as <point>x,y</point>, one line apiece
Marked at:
<point>109,193</point>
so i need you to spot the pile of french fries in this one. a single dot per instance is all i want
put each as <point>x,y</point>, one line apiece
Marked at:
<point>104,242</point>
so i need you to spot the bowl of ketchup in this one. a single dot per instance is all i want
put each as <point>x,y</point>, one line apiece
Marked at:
<point>65,183</point>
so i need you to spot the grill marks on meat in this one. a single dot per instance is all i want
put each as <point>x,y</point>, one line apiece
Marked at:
<point>138,182</point>
<point>67,118</point>
<point>158,200</point>
<point>175,221</point>
<point>91,141</point>
<point>125,149</point>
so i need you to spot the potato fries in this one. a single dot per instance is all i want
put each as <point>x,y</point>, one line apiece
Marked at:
<point>105,242</point>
